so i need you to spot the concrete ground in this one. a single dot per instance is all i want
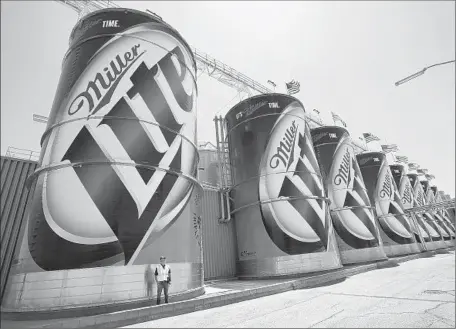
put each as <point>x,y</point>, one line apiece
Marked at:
<point>417,294</point>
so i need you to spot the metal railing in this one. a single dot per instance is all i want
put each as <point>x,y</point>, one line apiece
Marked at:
<point>24,154</point>
<point>431,207</point>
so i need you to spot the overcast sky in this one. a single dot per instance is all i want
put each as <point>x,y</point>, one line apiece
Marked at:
<point>346,55</point>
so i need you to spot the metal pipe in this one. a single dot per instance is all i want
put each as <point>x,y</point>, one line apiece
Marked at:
<point>217,139</point>
<point>227,167</point>
<point>228,206</point>
<point>222,135</point>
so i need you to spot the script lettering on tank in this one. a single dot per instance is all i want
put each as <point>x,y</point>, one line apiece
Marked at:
<point>285,150</point>
<point>387,189</point>
<point>344,174</point>
<point>407,197</point>
<point>100,90</point>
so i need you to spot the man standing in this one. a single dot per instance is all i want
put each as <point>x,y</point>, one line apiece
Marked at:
<point>163,279</point>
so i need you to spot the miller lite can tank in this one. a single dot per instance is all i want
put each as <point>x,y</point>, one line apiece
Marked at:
<point>279,205</point>
<point>433,240</point>
<point>405,191</point>
<point>354,223</point>
<point>116,184</point>
<point>446,210</point>
<point>429,215</point>
<point>438,220</point>
<point>395,229</point>
<point>452,214</point>
<point>442,213</point>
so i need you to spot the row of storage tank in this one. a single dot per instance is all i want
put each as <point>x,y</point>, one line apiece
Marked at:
<point>318,207</point>
<point>116,186</point>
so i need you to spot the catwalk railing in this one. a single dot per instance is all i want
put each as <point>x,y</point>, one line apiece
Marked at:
<point>17,153</point>
<point>432,207</point>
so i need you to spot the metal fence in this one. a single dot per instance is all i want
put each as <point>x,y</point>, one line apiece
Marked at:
<point>16,153</point>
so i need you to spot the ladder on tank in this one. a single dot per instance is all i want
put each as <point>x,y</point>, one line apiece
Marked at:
<point>224,167</point>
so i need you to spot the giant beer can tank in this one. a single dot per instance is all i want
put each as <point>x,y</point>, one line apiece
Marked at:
<point>405,191</point>
<point>395,231</point>
<point>442,214</point>
<point>432,240</point>
<point>446,213</point>
<point>426,199</point>
<point>116,184</point>
<point>356,229</point>
<point>279,205</point>
<point>435,218</point>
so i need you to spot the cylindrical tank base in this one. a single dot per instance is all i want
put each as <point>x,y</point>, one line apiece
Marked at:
<point>434,245</point>
<point>286,266</point>
<point>349,255</point>
<point>400,250</point>
<point>449,243</point>
<point>91,287</point>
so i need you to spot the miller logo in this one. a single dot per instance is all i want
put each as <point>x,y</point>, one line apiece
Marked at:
<point>420,197</point>
<point>344,172</point>
<point>387,189</point>
<point>99,90</point>
<point>318,136</point>
<point>389,208</point>
<point>289,172</point>
<point>250,110</point>
<point>285,150</point>
<point>132,166</point>
<point>407,195</point>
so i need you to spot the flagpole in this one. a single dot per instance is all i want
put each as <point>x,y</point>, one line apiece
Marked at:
<point>272,83</point>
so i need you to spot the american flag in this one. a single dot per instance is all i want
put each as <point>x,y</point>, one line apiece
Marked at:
<point>369,137</point>
<point>413,165</point>
<point>272,83</point>
<point>338,118</point>
<point>387,148</point>
<point>318,118</point>
<point>293,87</point>
<point>422,171</point>
<point>402,159</point>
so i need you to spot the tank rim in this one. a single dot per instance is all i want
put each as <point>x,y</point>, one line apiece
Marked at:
<point>316,129</point>
<point>155,19</point>
<point>371,153</point>
<point>263,95</point>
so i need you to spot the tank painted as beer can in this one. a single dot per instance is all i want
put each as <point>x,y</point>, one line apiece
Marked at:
<point>279,205</point>
<point>446,232</point>
<point>355,227</point>
<point>443,214</point>
<point>447,210</point>
<point>429,216</point>
<point>405,191</point>
<point>116,185</point>
<point>396,232</point>
<point>433,240</point>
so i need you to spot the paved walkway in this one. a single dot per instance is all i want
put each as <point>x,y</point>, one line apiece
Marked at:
<point>226,292</point>
<point>417,294</point>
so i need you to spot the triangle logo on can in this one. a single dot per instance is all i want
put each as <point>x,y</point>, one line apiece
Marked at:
<point>290,188</point>
<point>126,147</point>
